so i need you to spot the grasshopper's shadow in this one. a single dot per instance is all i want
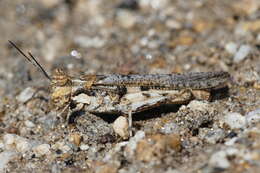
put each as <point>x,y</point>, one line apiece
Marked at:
<point>218,94</point>
<point>144,115</point>
<point>156,112</point>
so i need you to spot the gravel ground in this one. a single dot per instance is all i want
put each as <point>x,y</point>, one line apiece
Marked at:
<point>145,36</point>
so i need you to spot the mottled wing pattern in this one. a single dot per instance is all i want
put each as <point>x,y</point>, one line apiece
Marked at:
<point>195,80</point>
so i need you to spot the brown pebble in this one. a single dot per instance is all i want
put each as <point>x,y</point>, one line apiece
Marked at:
<point>107,168</point>
<point>76,138</point>
<point>257,85</point>
<point>156,146</point>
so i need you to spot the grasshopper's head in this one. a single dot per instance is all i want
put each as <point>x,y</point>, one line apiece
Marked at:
<point>61,88</point>
<point>61,84</point>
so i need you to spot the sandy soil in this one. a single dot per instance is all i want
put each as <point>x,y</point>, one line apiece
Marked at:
<point>145,36</point>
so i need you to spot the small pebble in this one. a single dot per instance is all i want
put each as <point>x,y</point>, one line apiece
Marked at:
<point>51,3</point>
<point>232,151</point>
<point>132,144</point>
<point>126,19</point>
<point>154,4</point>
<point>213,136</point>
<point>23,145</point>
<point>169,128</point>
<point>155,146</point>
<point>42,149</point>
<point>173,24</point>
<point>231,142</point>
<point>121,126</point>
<point>5,157</point>
<point>61,146</point>
<point>253,117</point>
<point>231,47</point>
<point>9,141</point>
<point>199,105</point>
<point>90,42</point>
<point>258,37</point>
<point>29,124</point>
<point>257,85</point>
<point>15,142</point>
<point>75,138</point>
<point>1,145</point>
<point>242,53</point>
<point>219,160</point>
<point>235,120</point>
<point>84,147</point>
<point>25,95</point>
<point>82,98</point>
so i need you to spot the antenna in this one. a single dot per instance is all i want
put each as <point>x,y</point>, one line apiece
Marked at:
<point>31,59</point>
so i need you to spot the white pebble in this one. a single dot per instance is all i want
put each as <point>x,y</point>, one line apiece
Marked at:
<point>155,4</point>
<point>231,47</point>
<point>84,147</point>
<point>5,157</point>
<point>232,151</point>
<point>82,98</point>
<point>1,145</point>
<point>22,145</point>
<point>169,128</point>
<point>242,53</point>
<point>15,142</point>
<point>253,117</point>
<point>76,54</point>
<point>173,24</point>
<point>25,95</point>
<point>9,141</point>
<point>42,149</point>
<point>199,105</point>
<point>214,136</point>
<point>231,141</point>
<point>235,120</point>
<point>62,146</point>
<point>132,144</point>
<point>29,124</point>
<point>126,19</point>
<point>120,145</point>
<point>219,160</point>
<point>258,37</point>
<point>121,126</point>
<point>89,42</point>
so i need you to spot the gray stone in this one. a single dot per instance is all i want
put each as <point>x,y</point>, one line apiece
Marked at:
<point>231,47</point>
<point>235,120</point>
<point>212,136</point>
<point>169,128</point>
<point>253,117</point>
<point>242,53</point>
<point>25,95</point>
<point>5,157</point>
<point>219,160</point>
<point>17,143</point>
<point>42,149</point>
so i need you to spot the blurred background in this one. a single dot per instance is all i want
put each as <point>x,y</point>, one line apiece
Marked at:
<point>133,36</point>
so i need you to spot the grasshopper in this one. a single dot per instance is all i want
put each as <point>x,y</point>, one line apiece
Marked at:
<point>128,94</point>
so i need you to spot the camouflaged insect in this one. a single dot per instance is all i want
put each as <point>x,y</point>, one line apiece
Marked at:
<point>129,94</point>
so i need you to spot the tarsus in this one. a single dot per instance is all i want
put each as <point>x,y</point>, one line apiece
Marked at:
<point>32,60</point>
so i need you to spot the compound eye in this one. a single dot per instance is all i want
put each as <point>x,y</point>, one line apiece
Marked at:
<point>60,78</point>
